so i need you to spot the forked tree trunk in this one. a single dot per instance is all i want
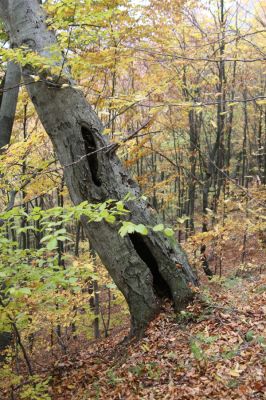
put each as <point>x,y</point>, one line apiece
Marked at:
<point>144,268</point>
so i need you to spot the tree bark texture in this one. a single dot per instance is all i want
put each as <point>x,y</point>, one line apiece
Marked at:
<point>9,102</point>
<point>144,268</point>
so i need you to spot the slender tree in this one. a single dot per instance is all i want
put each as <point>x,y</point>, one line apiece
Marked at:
<point>9,96</point>
<point>8,102</point>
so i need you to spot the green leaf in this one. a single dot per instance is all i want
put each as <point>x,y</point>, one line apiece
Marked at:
<point>249,336</point>
<point>196,351</point>
<point>158,228</point>
<point>111,286</point>
<point>142,229</point>
<point>61,231</point>
<point>45,238</point>
<point>120,206</point>
<point>72,279</point>
<point>63,238</point>
<point>25,290</point>
<point>129,196</point>
<point>169,232</point>
<point>261,340</point>
<point>127,227</point>
<point>52,244</point>
<point>20,291</point>
<point>110,218</point>
<point>182,219</point>
<point>25,228</point>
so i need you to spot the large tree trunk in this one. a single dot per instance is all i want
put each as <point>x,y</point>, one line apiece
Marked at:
<point>145,268</point>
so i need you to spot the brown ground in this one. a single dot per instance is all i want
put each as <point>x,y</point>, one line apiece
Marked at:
<point>213,350</point>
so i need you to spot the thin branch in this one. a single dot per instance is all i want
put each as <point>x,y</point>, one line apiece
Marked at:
<point>210,103</point>
<point>114,146</point>
<point>181,57</point>
<point>173,163</point>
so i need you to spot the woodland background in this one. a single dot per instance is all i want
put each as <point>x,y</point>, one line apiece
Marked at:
<point>180,87</point>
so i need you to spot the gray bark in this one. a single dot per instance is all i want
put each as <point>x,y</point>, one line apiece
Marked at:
<point>146,268</point>
<point>9,102</point>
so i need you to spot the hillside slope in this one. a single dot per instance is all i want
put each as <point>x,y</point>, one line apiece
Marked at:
<point>213,350</point>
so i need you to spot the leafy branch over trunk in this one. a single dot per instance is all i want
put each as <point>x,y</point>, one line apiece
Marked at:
<point>145,268</point>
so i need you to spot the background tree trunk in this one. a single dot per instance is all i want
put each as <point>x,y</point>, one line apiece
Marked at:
<point>145,268</point>
<point>8,103</point>
<point>9,98</point>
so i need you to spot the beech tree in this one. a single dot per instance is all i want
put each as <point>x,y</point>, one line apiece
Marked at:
<point>10,87</point>
<point>146,268</point>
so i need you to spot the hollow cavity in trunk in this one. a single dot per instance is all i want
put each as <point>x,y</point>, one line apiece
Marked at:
<point>161,288</point>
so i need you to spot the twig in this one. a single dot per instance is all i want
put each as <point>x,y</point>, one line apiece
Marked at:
<point>212,60</point>
<point>199,104</point>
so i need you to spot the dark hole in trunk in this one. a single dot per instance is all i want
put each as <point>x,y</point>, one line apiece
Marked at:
<point>160,286</point>
<point>90,147</point>
<point>5,340</point>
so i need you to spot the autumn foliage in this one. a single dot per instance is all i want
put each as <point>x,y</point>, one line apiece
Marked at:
<point>180,89</point>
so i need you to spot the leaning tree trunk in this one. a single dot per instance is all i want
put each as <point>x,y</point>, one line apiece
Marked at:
<point>144,268</point>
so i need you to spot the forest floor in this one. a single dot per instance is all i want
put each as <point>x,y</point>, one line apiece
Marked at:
<point>215,349</point>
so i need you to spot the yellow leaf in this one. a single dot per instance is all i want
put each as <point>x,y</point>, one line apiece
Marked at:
<point>234,373</point>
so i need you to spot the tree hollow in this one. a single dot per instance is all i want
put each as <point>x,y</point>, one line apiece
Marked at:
<point>91,148</point>
<point>160,286</point>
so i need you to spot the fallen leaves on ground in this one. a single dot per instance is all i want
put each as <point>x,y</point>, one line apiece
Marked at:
<point>215,349</point>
